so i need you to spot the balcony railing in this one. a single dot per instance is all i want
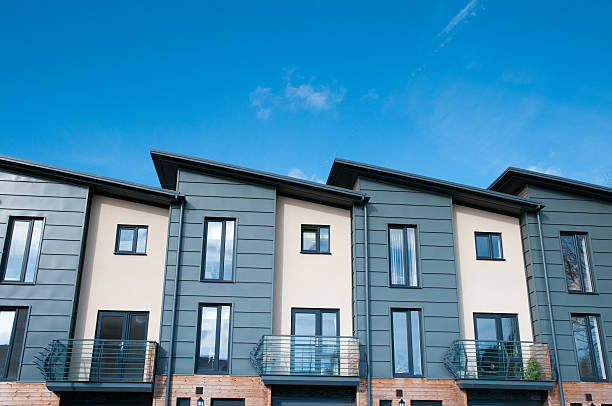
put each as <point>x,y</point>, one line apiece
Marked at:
<point>499,360</point>
<point>321,356</point>
<point>97,362</point>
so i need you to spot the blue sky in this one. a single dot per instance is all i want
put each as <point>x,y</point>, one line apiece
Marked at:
<point>451,89</point>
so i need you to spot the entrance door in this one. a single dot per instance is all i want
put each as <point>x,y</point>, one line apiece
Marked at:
<point>497,348</point>
<point>315,346</point>
<point>117,358</point>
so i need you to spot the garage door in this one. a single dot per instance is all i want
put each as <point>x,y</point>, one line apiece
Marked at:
<point>309,396</point>
<point>501,402</point>
<point>105,399</point>
<point>309,401</point>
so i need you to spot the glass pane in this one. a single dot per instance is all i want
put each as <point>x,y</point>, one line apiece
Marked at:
<point>141,241</point>
<point>496,246</point>
<point>15,357</point>
<point>16,253</point>
<point>329,324</point>
<point>228,259</point>
<point>396,256</point>
<point>34,251</point>
<point>400,343</point>
<point>581,240</point>
<point>309,240</point>
<point>411,256</point>
<point>305,324</point>
<point>510,330</point>
<point>415,329</point>
<point>570,262</point>
<point>224,339</point>
<point>486,329</point>
<point>482,246</point>
<point>213,250</point>
<point>126,239</point>
<point>7,319</point>
<point>324,239</point>
<point>138,327</point>
<point>208,336</point>
<point>599,360</point>
<point>583,350</point>
<point>111,327</point>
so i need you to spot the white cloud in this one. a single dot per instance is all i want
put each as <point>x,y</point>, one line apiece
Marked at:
<point>298,173</point>
<point>370,95</point>
<point>550,170</point>
<point>466,12</point>
<point>264,100</point>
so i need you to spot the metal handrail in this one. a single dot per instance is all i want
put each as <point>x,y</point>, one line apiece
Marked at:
<point>499,360</point>
<point>97,360</point>
<point>307,355</point>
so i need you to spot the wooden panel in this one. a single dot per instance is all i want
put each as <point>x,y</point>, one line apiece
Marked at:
<point>414,389</point>
<point>26,394</point>
<point>575,393</point>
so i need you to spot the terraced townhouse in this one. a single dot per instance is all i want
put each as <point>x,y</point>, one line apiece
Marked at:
<point>230,286</point>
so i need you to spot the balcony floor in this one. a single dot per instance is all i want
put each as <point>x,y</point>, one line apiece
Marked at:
<point>142,387</point>
<point>504,384</point>
<point>310,380</point>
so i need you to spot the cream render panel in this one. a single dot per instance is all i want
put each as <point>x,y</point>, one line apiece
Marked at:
<point>122,282</point>
<point>487,286</point>
<point>311,280</point>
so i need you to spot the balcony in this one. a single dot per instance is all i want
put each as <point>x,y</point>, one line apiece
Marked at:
<point>307,360</point>
<point>500,364</point>
<point>98,365</point>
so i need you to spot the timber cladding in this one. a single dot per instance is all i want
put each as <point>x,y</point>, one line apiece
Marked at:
<point>413,389</point>
<point>249,388</point>
<point>26,394</point>
<point>575,392</point>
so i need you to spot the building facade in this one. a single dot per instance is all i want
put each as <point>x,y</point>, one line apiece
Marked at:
<point>230,286</point>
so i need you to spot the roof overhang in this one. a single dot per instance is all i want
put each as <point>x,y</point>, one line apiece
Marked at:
<point>344,173</point>
<point>167,165</point>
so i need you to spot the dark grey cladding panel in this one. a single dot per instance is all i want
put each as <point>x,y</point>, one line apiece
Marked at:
<point>566,211</point>
<point>438,298</point>
<point>254,207</point>
<point>50,300</point>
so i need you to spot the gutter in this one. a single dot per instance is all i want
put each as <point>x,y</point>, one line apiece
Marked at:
<point>367,302</point>
<point>550,313</point>
<point>174,300</point>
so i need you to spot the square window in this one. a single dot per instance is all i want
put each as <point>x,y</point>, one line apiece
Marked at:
<point>131,240</point>
<point>489,246</point>
<point>21,250</point>
<point>315,239</point>
<point>218,250</point>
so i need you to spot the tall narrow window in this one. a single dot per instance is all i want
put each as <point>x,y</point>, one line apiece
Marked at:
<point>489,246</point>
<point>589,351</point>
<point>12,332</point>
<point>576,262</point>
<point>21,250</point>
<point>219,250</point>
<point>402,256</point>
<point>315,239</point>
<point>406,325</point>
<point>214,339</point>
<point>131,240</point>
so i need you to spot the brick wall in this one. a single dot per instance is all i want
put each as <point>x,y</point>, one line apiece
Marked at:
<point>414,389</point>
<point>249,388</point>
<point>575,393</point>
<point>26,394</point>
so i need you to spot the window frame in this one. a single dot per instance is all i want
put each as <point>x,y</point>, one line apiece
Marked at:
<point>7,246</point>
<point>488,234</point>
<point>317,228</point>
<point>582,271</point>
<point>214,371</point>
<point>604,360</point>
<point>417,256</point>
<point>134,227</point>
<point>410,346</point>
<point>223,221</point>
<point>318,312</point>
<point>4,370</point>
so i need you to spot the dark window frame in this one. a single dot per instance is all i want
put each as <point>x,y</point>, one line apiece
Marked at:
<point>181,401</point>
<point>498,325</point>
<point>215,370</point>
<point>410,346</point>
<point>404,227</point>
<point>127,320</point>
<point>12,343</point>
<point>488,235</point>
<point>582,271</point>
<point>134,227</point>
<point>604,361</point>
<point>7,246</point>
<point>317,229</point>
<point>318,312</point>
<point>223,221</point>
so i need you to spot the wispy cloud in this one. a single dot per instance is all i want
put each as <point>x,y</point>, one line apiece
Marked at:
<point>295,97</point>
<point>466,12</point>
<point>298,173</point>
<point>549,170</point>
<point>370,95</point>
